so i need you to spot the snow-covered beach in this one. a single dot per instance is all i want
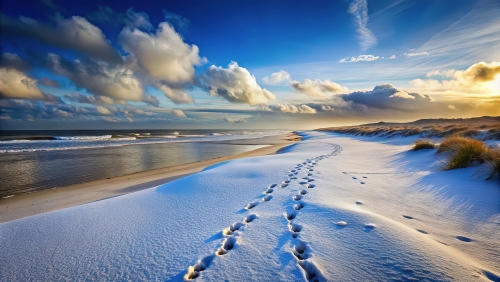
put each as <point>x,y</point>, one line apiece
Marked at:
<point>329,208</point>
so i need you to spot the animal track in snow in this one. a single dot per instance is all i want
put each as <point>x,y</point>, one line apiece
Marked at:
<point>312,271</point>
<point>422,231</point>
<point>303,192</point>
<point>250,218</point>
<point>269,191</point>
<point>359,202</point>
<point>234,227</point>
<point>286,181</point>
<point>298,206</point>
<point>201,265</point>
<point>267,198</point>
<point>361,182</point>
<point>272,185</point>
<point>310,185</point>
<point>300,250</point>
<point>407,216</point>
<point>354,177</point>
<point>284,185</point>
<point>290,215</point>
<point>303,183</point>
<point>310,180</point>
<point>297,197</point>
<point>294,228</point>
<point>227,245</point>
<point>464,239</point>
<point>250,206</point>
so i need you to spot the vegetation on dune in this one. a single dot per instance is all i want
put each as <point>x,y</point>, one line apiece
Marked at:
<point>423,144</point>
<point>464,152</point>
<point>493,161</point>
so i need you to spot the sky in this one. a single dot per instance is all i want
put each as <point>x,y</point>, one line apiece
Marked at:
<point>245,64</point>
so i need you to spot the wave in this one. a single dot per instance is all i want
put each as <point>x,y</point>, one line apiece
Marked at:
<point>82,137</point>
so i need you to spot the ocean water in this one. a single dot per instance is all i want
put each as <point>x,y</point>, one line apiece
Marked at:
<point>36,160</point>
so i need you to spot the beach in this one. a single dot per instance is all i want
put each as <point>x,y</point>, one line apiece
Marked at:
<point>329,208</point>
<point>47,200</point>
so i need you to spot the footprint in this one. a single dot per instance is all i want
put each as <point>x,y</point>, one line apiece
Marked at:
<point>303,183</point>
<point>269,191</point>
<point>294,228</point>
<point>297,197</point>
<point>290,175</point>
<point>290,215</point>
<point>354,177</point>
<point>365,176</point>
<point>422,231</point>
<point>267,198</point>
<point>250,218</point>
<point>362,182</point>
<point>293,177</point>
<point>310,180</point>
<point>284,185</point>
<point>250,206</point>
<point>464,239</point>
<point>235,226</point>
<point>311,270</point>
<point>286,181</point>
<point>305,178</point>
<point>407,216</point>
<point>303,192</point>
<point>298,206</point>
<point>227,245</point>
<point>272,185</point>
<point>201,265</point>
<point>309,174</point>
<point>300,250</point>
<point>341,223</point>
<point>359,202</point>
<point>310,185</point>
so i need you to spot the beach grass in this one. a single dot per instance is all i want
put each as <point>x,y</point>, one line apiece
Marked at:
<point>423,144</point>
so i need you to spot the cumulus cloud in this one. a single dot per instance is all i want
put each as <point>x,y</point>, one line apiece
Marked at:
<point>288,108</point>
<point>99,78</point>
<point>175,95</point>
<point>360,58</point>
<point>16,85</point>
<point>318,88</point>
<point>13,61</point>
<point>234,120</point>
<point>276,77</point>
<point>178,113</point>
<point>163,55</point>
<point>388,97</point>
<point>103,110</point>
<point>74,33</point>
<point>236,85</point>
<point>359,10</point>
<point>475,79</point>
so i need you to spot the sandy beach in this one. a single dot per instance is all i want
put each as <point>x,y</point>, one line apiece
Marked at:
<point>25,205</point>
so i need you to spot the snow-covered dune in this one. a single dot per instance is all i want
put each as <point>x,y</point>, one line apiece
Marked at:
<point>330,208</point>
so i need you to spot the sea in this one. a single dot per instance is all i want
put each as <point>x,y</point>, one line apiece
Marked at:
<point>34,160</point>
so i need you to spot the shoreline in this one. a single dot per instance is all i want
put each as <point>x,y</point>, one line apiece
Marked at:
<point>25,205</point>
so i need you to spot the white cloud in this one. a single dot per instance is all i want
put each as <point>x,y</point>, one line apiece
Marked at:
<point>360,58</point>
<point>475,79</point>
<point>75,33</point>
<point>392,57</point>
<point>234,120</point>
<point>16,85</point>
<point>163,55</point>
<point>318,88</point>
<point>178,113</point>
<point>412,54</point>
<point>326,108</point>
<point>288,108</point>
<point>277,77</point>
<point>236,85</point>
<point>103,110</point>
<point>175,95</point>
<point>359,9</point>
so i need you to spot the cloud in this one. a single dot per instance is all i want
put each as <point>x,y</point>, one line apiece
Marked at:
<point>151,100</point>
<point>179,22</point>
<point>175,95</point>
<point>16,85</point>
<point>13,61</point>
<point>130,18</point>
<point>276,77</point>
<point>360,58</point>
<point>359,10</point>
<point>388,97</point>
<point>99,78</point>
<point>392,57</point>
<point>103,110</point>
<point>236,85</point>
<point>475,79</point>
<point>234,120</point>
<point>178,113</point>
<point>163,55</point>
<point>92,99</point>
<point>415,54</point>
<point>326,108</point>
<point>74,33</point>
<point>293,109</point>
<point>318,88</point>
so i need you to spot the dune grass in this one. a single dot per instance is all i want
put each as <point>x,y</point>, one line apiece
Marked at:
<point>423,144</point>
<point>493,161</point>
<point>464,152</point>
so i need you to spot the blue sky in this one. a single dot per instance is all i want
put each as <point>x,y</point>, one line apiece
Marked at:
<point>242,64</point>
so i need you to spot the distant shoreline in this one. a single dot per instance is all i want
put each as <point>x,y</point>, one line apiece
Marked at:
<point>25,205</point>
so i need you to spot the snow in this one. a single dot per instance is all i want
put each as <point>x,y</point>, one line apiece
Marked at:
<point>241,221</point>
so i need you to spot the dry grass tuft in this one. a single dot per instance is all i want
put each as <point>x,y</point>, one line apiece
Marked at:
<point>493,161</point>
<point>463,152</point>
<point>423,144</point>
